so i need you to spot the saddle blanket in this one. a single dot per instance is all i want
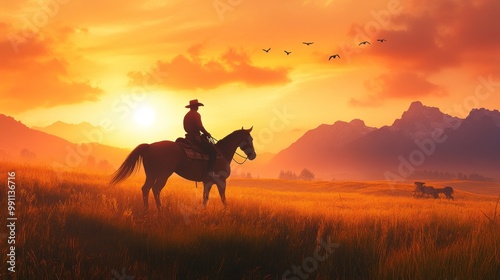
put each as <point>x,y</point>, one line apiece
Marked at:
<point>192,151</point>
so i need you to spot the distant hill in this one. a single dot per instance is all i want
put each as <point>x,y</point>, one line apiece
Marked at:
<point>320,146</point>
<point>29,145</point>
<point>423,138</point>
<point>75,133</point>
<point>83,132</point>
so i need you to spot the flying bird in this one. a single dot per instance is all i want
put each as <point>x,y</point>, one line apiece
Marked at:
<point>287,53</point>
<point>363,43</point>
<point>266,50</point>
<point>334,56</point>
<point>381,40</point>
<point>308,43</point>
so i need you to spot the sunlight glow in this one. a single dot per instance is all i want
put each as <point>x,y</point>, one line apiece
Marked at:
<point>144,116</point>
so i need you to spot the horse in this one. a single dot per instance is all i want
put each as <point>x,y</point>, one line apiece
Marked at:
<point>162,159</point>
<point>447,191</point>
<point>421,190</point>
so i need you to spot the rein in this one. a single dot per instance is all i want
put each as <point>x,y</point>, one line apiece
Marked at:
<point>240,163</point>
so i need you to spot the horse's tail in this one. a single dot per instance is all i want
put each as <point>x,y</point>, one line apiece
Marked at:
<point>131,163</point>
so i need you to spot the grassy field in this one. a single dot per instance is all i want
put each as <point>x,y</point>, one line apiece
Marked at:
<point>76,226</point>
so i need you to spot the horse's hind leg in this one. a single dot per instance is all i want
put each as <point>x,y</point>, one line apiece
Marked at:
<point>148,184</point>
<point>158,185</point>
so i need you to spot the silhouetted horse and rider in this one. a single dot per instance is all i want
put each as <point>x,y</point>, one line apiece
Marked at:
<point>194,158</point>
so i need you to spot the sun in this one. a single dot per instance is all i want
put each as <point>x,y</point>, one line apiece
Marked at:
<point>144,116</point>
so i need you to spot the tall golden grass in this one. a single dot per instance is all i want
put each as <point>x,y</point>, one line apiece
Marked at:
<point>76,226</point>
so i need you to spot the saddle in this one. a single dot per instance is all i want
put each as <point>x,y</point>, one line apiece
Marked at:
<point>192,150</point>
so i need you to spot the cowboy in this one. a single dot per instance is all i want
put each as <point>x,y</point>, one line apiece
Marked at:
<point>194,127</point>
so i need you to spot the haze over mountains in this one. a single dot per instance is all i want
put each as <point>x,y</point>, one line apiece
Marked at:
<point>423,138</point>
<point>30,145</point>
<point>76,133</point>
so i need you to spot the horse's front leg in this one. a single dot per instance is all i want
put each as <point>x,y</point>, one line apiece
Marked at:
<point>221,186</point>
<point>207,185</point>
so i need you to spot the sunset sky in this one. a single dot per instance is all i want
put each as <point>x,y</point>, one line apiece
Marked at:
<point>132,66</point>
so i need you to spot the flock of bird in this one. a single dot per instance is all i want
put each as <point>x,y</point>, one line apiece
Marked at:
<point>331,56</point>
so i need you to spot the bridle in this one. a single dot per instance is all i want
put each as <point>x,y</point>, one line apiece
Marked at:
<point>243,148</point>
<point>240,163</point>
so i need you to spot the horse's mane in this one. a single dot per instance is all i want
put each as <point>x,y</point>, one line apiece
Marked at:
<point>229,137</point>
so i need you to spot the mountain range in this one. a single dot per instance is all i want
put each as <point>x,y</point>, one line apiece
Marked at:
<point>25,144</point>
<point>423,138</point>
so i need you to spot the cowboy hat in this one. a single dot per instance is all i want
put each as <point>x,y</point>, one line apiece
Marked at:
<point>194,103</point>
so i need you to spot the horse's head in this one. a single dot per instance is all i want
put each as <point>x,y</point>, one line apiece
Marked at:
<point>246,144</point>
<point>419,186</point>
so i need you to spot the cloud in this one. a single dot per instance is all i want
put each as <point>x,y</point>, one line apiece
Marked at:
<point>188,72</point>
<point>417,47</point>
<point>439,36</point>
<point>424,42</point>
<point>37,75</point>
<point>402,85</point>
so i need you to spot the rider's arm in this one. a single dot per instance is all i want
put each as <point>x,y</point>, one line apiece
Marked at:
<point>202,129</point>
<point>200,126</point>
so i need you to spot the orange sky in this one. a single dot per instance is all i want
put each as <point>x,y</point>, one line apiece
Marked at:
<point>101,61</point>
